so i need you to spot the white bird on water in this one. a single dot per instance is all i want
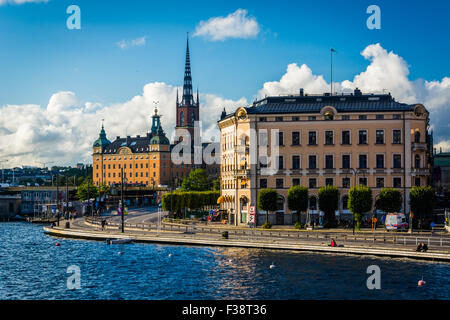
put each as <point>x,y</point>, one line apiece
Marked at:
<point>170,255</point>
<point>272,266</point>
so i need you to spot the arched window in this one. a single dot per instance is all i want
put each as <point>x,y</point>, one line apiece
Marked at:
<point>417,161</point>
<point>192,118</point>
<point>280,203</point>
<point>181,119</point>
<point>417,136</point>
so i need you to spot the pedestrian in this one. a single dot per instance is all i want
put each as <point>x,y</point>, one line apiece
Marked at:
<point>103,224</point>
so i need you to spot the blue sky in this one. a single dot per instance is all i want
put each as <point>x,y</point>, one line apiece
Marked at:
<point>57,84</point>
<point>40,55</point>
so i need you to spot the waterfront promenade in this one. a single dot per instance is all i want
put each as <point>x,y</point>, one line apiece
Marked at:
<point>400,245</point>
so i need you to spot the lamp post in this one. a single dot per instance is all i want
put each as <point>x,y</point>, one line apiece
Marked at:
<point>355,172</point>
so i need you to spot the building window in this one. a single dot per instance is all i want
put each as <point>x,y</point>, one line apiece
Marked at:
<point>417,161</point>
<point>328,161</point>
<point>379,117</point>
<point>417,137</point>
<point>295,118</point>
<point>296,182</point>
<point>362,137</point>
<point>363,161</point>
<point>380,161</point>
<point>311,118</point>
<point>312,162</point>
<point>417,182</point>
<point>263,161</point>
<point>279,183</point>
<point>181,119</point>
<point>363,181</point>
<point>329,181</point>
<point>295,138</point>
<point>328,116</point>
<point>397,137</point>
<point>346,117</point>
<point>312,183</point>
<point>397,161</point>
<point>346,137</point>
<point>346,183</point>
<point>263,138</point>
<point>380,182</point>
<point>263,119</point>
<point>312,138</point>
<point>281,138</point>
<point>397,182</point>
<point>379,137</point>
<point>397,116</point>
<point>328,137</point>
<point>295,162</point>
<point>345,161</point>
<point>362,117</point>
<point>279,119</point>
<point>263,183</point>
<point>280,162</point>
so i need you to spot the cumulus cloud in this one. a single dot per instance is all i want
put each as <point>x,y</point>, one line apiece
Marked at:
<point>3,2</point>
<point>138,42</point>
<point>65,129</point>
<point>386,72</point>
<point>234,25</point>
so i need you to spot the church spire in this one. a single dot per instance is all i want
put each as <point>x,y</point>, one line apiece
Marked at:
<point>188,98</point>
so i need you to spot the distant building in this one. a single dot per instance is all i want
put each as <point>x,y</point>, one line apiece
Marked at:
<point>441,171</point>
<point>9,204</point>
<point>146,160</point>
<point>34,198</point>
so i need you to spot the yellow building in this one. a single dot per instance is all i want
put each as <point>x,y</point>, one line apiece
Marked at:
<point>318,140</point>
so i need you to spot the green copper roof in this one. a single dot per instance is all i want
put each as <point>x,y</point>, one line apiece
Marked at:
<point>102,141</point>
<point>442,160</point>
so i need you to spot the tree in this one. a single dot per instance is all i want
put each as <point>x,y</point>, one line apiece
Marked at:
<point>359,202</point>
<point>329,203</point>
<point>216,184</point>
<point>82,191</point>
<point>421,200</point>
<point>196,181</point>
<point>267,201</point>
<point>298,199</point>
<point>389,200</point>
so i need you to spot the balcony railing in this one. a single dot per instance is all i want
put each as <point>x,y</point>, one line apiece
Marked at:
<point>420,171</point>
<point>242,173</point>
<point>419,146</point>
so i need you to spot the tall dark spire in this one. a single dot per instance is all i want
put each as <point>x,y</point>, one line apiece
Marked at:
<point>188,98</point>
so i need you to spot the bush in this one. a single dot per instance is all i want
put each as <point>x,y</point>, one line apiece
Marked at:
<point>298,199</point>
<point>421,200</point>
<point>359,202</point>
<point>389,200</point>
<point>329,203</point>
<point>266,225</point>
<point>298,225</point>
<point>267,201</point>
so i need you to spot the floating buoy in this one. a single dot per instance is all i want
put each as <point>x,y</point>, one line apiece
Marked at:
<point>119,253</point>
<point>57,244</point>
<point>272,266</point>
<point>170,255</point>
<point>421,283</point>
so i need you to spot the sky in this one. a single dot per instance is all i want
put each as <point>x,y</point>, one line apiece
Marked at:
<point>57,84</point>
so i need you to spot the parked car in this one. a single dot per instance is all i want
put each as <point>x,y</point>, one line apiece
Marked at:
<point>396,221</point>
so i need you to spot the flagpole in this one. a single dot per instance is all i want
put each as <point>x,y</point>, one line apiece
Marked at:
<point>331,67</point>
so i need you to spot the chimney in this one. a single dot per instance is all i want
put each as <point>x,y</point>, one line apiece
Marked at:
<point>301,92</point>
<point>358,92</point>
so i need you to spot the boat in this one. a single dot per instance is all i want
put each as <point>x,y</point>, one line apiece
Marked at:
<point>119,241</point>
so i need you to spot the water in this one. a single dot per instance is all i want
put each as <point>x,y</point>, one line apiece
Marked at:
<point>32,267</point>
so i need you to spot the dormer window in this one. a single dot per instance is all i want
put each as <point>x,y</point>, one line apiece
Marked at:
<point>328,115</point>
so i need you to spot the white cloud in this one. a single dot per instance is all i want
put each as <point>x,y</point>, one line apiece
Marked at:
<point>234,25</point>
<point>66,128</point>
<point>138,42</point>
<point>386,72</point>
<point>4,2</point>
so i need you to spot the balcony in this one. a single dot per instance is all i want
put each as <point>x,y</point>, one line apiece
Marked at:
<point>242,173</point>
<point>329,171</point>
<point>420,171</point>
<point>417,146</point>
<point>397,170</point>
<point>313,171</point>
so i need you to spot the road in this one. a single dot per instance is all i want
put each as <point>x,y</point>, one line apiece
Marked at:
<point>140,215</point>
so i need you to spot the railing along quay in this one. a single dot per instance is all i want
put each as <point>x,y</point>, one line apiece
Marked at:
<point>261,235</point>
